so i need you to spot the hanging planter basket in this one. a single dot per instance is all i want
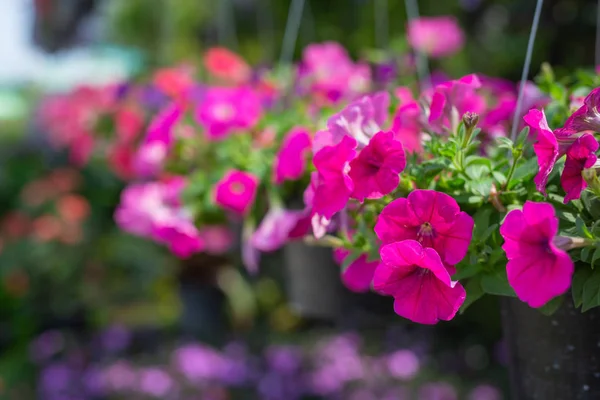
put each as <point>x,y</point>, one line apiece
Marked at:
<point>313,281</point>
<point>552,357</point>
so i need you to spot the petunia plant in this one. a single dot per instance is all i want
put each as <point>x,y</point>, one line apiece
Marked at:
<point>429,200</point>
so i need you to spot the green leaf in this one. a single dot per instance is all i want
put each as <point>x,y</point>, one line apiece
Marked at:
<point>550,307</point>
<point>582,230</point>
<point>497,284</point>
<point>474,292</point>
<point>579,279</point>
<point>524,172</point>
<point>482,221</point>
<point>591,292</point>
<point>482,187</point>
<point>466,271</point>
<point>504,142</point>
<point>596,255</point>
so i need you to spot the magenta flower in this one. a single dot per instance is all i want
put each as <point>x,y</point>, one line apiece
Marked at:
<point>218,239</point>
<point>359,274</point>
<point>328,73</point>
<point>580,155</point>
<point>290,161</point>
<point>537,270</point>
<point>319,223</point>
<point>275,228</point>
<point>153,210</point>
<point>431,218</point>
<point>361,120</point>
<point>451,99</point>
<point>587,117</point>
<point>225,110</point>
<point>159,138</point>
<point>236,191</point>
<point>334,185</point>
<point>374,172</point>
<point>419,282</point>
<point>435,36</point>
<point>549,146</point>
<point>407,126</point>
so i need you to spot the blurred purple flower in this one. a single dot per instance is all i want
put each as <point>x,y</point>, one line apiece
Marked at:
<point>437,391</point>
<point>119,376</point>
<point>155,382</point>
<point>485,392</point>
<point>284,359</point>
<point>56,379</point>
<point>403,364</point>
<point>115,338</point>
<point>46,345</point>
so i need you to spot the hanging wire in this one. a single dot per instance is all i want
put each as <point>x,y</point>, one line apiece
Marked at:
<point>382,23</point>
<point>525,73</point>
<point>226,30</point>
<point>291,31</point>
<point>412,13</point>
<point>308,23</point>
<point>597,35</point>
<point>264,22</point>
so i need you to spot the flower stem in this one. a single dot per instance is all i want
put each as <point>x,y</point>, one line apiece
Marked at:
<point>325,241</point>
<point>517,153</point>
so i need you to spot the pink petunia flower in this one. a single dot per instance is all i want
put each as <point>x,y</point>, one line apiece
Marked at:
<point>359,274</point>
<point>537,270</point>
<point>275,228</point>
<point>319,224</point>
<point>328,73</point>
<point>153,210</point>
<point>419,282</point>
<point>225,110</point>
<point>407,125</point>
<point>433,219</point>
<point>374,172</point>
<point>361,120</point>
<point>290,161</point>
<point>159,138</point>
<point>580,155</point>
<point>548,146</point>
<point>587,117</point>
<point>435,36</point>
<point>334,185</point>
<point>451,99</point>
<point>225,64</point>
<point>236,191</point>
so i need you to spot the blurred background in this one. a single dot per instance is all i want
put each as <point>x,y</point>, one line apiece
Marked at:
<point>89,312</point>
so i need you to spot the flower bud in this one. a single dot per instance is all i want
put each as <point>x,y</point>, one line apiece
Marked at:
<point>470,120</point>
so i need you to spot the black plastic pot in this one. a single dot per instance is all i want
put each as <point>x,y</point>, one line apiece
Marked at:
<point>552,357</point>
<point>204,314</point>
<point>313,281</point>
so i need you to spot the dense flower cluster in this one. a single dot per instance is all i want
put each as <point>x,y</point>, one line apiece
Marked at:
<point>414,190</point>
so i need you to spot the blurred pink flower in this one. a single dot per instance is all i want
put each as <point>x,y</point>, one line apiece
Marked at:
<point>290,161</point>
<point>225,110</point>
<point>153,210</point>
<point>537,270</point>
<point>587,117</point>
<point>580,155</point>
<point>275,228</point>
<point>218,239</point>
<point>419,282</point>
<point>374,172</point>
<point>155,382</point>
<point>154,148</point>
<point>236,191</point>
<point>435,36</point>
<point>226,65</point>
<point>433,219</point>
<point>403,364</point>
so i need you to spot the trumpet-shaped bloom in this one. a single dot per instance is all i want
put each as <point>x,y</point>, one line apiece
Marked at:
<point>225,110</point>
<point>537,270</point>
<point>153,210</point>
<point>236,191</point>
<point>549,146</point>
<point>374,172</point>
<point>361,120</point>
<point>433,219</point>
<point>333,185</point>
<point>435,36</point>
<point>159,138</point>
<point>290,162</point>
<point>275,228</point>
<point>587,117</point>
<point>580,155</point>
<point>419,282</point>
<point>358,275</point>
